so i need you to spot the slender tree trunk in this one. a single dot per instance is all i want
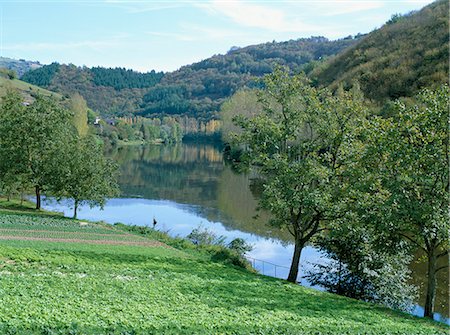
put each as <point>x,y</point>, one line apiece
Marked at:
<point>293,272</point>
<point>38,197</point>
<point>75,208</point>
<point>431,285</point>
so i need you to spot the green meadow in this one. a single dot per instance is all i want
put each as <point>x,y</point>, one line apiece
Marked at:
<point>87,286</point>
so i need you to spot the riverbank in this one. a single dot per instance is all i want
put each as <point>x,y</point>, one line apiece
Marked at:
<point>111,279</point>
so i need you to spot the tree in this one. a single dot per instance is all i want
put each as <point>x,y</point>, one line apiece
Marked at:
<point>84,174</point>
<point>29,138</point>
<point>298,146</point>
<point>408,158</point>
<point>243,101</point>
<point>361,267</point>
<point>79,109</point>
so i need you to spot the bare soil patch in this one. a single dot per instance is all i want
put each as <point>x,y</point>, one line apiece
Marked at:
<point>74,240</point>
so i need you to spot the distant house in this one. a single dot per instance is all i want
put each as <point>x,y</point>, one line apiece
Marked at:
<point>97,121</point>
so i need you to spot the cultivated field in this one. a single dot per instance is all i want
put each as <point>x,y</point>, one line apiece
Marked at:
<point>61,276</point>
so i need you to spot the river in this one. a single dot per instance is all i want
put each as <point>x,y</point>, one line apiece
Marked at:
<point>186,186</point>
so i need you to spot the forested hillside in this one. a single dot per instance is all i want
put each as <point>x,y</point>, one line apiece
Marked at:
<point>199,89</point>
<point>195,90</point>
<point>408,53</point>
<point>108,91</point>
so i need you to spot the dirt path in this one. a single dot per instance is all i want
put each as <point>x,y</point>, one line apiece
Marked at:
<point>63,232</point>
<point>74,240</point>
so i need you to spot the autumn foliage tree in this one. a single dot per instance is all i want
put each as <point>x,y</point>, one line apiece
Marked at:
<point>298,145</point>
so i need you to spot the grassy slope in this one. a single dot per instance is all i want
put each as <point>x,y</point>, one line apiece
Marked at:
<point>77,288</point>
<point>396,60</point>
<point>25,88</point>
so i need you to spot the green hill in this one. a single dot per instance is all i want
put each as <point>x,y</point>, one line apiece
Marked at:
<point>61,276</point>
<point>19,66</point>
<point>195,90</point>
<point>199,89</point>
<point>408,53</point>
<point>26,89</point>
<point>107,91</point>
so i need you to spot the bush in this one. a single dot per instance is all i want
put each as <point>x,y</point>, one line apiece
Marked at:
<point>240,246</point>
<point>203,236</point>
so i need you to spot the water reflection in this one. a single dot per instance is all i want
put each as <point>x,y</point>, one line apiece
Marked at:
<point>179,220</point>
<point>188,185</point>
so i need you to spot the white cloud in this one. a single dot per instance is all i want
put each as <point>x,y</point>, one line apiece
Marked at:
<point>203,32</point>
<point>256,16</point>
<point>136,7</point>
<point>176,36</point>
<point>342,7</point>
<point>58,46</point>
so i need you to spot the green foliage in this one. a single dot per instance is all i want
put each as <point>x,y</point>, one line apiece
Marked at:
<point>200,89</point>
<point>299,145</point>
<point>196,90</point>
<point>120,78</point>
<point>69,79</point>
<point>397,60</point>
<point>240,246</point>
<point>30,137</point>
<point>78,288</point>
<point>10,74</point>
<point>405,168</point>
<point>42,76</point>
<point>142,130</point>
<point>78,107</point>
<point>84,175</point>
<point>243,101</point>
<point>361,268</point>
<point>204,236</point>
<point>39,147</point>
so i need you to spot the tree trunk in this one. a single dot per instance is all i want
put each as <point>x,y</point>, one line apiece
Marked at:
<point>431,285</point>
<point>293,272</point>
<point>75,208</point>
<point>38,197</point>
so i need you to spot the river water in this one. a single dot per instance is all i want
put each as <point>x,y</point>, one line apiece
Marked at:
<point>186,186</point>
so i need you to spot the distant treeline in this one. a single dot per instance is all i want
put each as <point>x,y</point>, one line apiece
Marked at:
<point>118,78</point>
<point>166,129</point>
<point>195,90</point>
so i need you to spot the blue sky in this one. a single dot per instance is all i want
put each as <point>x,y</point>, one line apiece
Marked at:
<point>164,35</point>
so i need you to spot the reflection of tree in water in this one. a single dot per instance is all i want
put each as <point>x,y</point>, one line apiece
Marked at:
<point>193,174</point>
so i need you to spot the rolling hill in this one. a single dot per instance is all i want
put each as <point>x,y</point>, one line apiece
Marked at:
<point>408,53</point>
<point>26,89</point>
<point>195,90</point>
<point>19,66</point>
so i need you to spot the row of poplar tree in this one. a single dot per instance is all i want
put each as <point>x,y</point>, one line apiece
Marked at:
<point>42,151</point>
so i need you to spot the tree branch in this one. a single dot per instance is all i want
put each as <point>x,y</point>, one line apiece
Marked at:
<point>442,254</point>
<point>414,242</point>
<point>441,268</point>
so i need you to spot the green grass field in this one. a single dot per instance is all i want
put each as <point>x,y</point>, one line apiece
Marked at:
<point>53,287</point>
<point>24,87</point>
